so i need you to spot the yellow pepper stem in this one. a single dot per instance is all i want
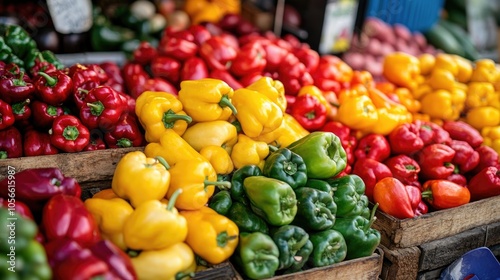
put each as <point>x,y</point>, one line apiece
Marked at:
<point>273,148</point>
<point>225,102</point>
<point>222,185</point>
<point>182,275</point>
<point>163,162</point>
<point>173,198</point>
<point>223,239</point>
<point>170,117</point>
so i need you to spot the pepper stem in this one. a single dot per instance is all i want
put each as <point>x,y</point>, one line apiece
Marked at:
<point>51,81</point>
<point>163,162</point>
<point>133,253</point>
<point>51,110</point>
<point>19,107</point>
<point>225,102</point>
<point>372,216</point>
<point>96,108</point>
<point>237,124</point>
<point>3,155</point>
<point>182,275</point>
<point>19,81</point>
<point>170,117</point>
<point>272,148</point>
<point>173,198</point>
<point>222,185</point>
<point>124,143</point>
<point>71,133</point>
<point>427,194</point>
<point>223,238</point>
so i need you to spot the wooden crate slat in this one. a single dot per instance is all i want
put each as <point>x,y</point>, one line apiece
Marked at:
<point>400,264</point>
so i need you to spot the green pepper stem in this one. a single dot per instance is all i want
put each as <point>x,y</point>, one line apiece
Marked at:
<point>163,162</point>
<point>237,124</point>
<point>96,108</point>
<point>51,110</point>
<point>222,185</point>
<point>170,117</point>
<point>372,216</point>
<point>3,155</point>
<point>223,238</point>
<point>83,90</point>
<point>19,81</point>
<point>18,108</point>
<point>51,81</point>
<point>273,148</point>
<point>182,275</point>
<point>55,182</point>
<point>173,198</point>
<point>124,143</point>
<point>133,253</point>
<point>225,102</point>
<point>427,194</point>
<point>70,133</point>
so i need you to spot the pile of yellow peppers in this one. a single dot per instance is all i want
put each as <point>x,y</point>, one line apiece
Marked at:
<point>450,87</point>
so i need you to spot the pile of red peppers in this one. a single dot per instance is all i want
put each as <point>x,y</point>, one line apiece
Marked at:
<point>68,231</point>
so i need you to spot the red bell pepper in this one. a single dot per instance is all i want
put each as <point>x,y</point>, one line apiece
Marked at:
<point>20,207</point>
<point>405,139</point>
<point>11,143</point>
<point>41,65</point>
<point>330,73</point>
<point>457,179</point>
<point>45,114</point>
<point>309,112</point>
<point>274,56</point>
<point>373,146</point>
<point>417,203</point>
<point>69,134</point>
<point>405,169</point>
<point>293,74</point>
<point>65,216</point>
<point>193,68</point>
<point>166,67</point>
<point>177,48</point>
<point>485,184</point>
<point>84,79</point>
<point>21,110</point>
<point>115,76</point>
<point>251,58</point>
<point>487,157</point>
<point>200,34</point>
<point>96,141</point>
<point>15,88</point>
<point>134,77</point>
<point>444,194</point>
<point>129,103</point>
<point>37,143</point>
<point>125,134</point>
<point>144,53</point>
<point>466,158</point>
<point>157,84</point>
<point>393,198</point>
<point>225,76</point>
<point>432,133</point>
<point>101,74</point>
<point>308,56</point>
<point>7,118</point>
<point>250,78</point>
<point>53,88</point>
<point>290,102</point>
<point>342,131</point>
<point>171,32</point>
<point>435,161</point>
<point>463,131</point>
<point>371,171</point>
<point>103,108</point>
<point>217,53</point>
<point>118,262</point>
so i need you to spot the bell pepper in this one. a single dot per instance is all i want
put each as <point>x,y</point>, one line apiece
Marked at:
<point>360,237</point>
<point>290,240</point>
<point>293,74</point>
<point>431,133</point>
<point>272,199</point>
<point>466,158</point>
<point>125,133</point>
<point>105,194</point>
<point>309,112</point>
<point>166,67</point>
<point>83,79</point>
<point>492,137</point>
<point>373,146</point>
<point>217,133</point>
<point>458,179</point>
<point>484,71</point>
<point>371,171</point>
<point>288,132</point>
<point>227,77</point>
<point>322,153</point>
<point>481,117</point>
<point>246,220</point>
<point>480,94</point>
<point>404,168</point>
<point>7,118</point>
<point>134,78</point>
<point>393,198</point>
<point>194,68</point>
<point>250,58</point>
<point>102,108</point>
<point>110,216</point>
<point>440,78</point>
<point>343,132</point>
<point>217,53</point>
<point>118,262</point>
<point>68,134</point>
<point>207,95</point>
<point>15,88</point>
<point>221,202</point>
<point>196,188</point>
<point>20,207</point>
<point>53,88</point>
<point>165,225</point>
<point>320,185</point>
<point>349,196</point>
<point>405,139</point>
<point>21,111</point>
<point>443,104</point>
<point>407,99</point>
<point>286,166</point>
<point>316,209</point>
<point>401,69</point>
<point>417,202</point>
<point>144,53</point>
<point>65,216</point>
<point>169,263</point>
<point>212,236</point>
<point>37,143</point>
<point>96,142</point>
<point>444,194</point>
<point>485,184</point>
<point>329,247</point>
<point>257,255</point>
<point>219,158</point>
<point>273,89</point>
<point>25,230</point>
<point>44,114</point>
<point>487,157</point>
<point>459,130</point>
<point>237,188</point>
<point>134,169</point>
<point>178,48</point>
<point>363,110</point>
<point>435,161</point>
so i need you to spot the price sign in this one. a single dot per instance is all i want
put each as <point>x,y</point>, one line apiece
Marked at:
<point>71,16</point>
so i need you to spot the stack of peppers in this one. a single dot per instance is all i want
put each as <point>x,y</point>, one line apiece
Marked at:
<point>72,245</point>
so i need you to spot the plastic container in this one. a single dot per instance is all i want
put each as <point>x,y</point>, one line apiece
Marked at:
<point>417,15</point>
<point>479,264</point>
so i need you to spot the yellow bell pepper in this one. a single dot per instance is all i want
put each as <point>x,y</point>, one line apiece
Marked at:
<point>356,90</point>
<point>406,98</point>
<point>441,79</point>
<point>480,117</point>
<point>491,136</point>
<point>358,113</point>
<point>210,10</point>
<point>219,158</point>
<point>427,62</point>
<point>110,215</point>
<point>443,104</point>
<point>465,69</point>
<point>402,69</point>
<point>273,89</point>
<point>197,179</point>
<point>212,236</point>
<point>170,263</point>
<point>257,114</point>
<point>421,90</point>
<point>207,99</point>
<point>105,194</point>
<point>173,148</point>
<point>480,94</point>
<point>288,132</point>
<point>138,178</point>
<point>213,133</point>
<point>147,96</point>
<point>154,225</point>
<point>485,71</point>
<point>446,62</point>
<point>248,151</point>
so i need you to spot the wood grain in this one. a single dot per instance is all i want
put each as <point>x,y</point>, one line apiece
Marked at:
<point>400,264</point>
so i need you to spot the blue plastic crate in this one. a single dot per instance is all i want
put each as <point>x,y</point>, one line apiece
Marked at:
<point>417,15</point>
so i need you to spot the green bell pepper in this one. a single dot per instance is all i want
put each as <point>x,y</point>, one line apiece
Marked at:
<point>329,247</point>
<point>31,56</point>
<point>256,255</point>
<point>19,40</point>
<point>272,199</point>
<point>51,58</point>
<point>13,58</point>
<point>315,209</point>
<point>237,190</point>
<point>25,230</point>
<point>108,37</point>
<point>322,153</point>
<point>350,196</point>
<point>361,238</point>
<point>290,239</point>
<point>221,202</point>
<point>300,258</point>
<point>286,166</point>
<point>246,219</point>
<point>320,185</point>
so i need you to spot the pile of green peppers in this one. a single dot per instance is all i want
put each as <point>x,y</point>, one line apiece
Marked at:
<point>294,213</point>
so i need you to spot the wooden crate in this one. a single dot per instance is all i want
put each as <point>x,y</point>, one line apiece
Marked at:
<point>397,233</point>
<point>427,260</point>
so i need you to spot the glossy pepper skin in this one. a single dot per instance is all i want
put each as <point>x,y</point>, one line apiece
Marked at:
<point>257,255</point>
<point>362,108</point>
<point>194,68</point>
<point>237,187</point>
<point>37,143</point>
<point>431,133</point>
<point>10,143</point>
<point>371,171</point>
<point>178,48</point>
<point>405,139</point>
<point>349,196</point>
<point>272,199</point>
<point>329,247</point>
<point>286,166</point>
<point>309,112</point>
<point>320,185</point>
<point>16,88</point>
<point>135,169</point>
<point>125,133</point>
<point>273,89</point>
<point>404,168</point>
<point>69,134</point>
<point>444,194</point>
<point>246,220</point>
<point>393,198</point>
<point>289,131</point>
<point>322,153</point>
<point>485,184</point>
<point>291,240</point>
<point>250,58</point>
<point>316,210</point>
<point>373,146</point>
<point>118,262</point>
<point>463,131</point>
<point>53,88</point>
<point>466,158</point>
<point>487,157</point>
<point>248,151</point>
<point>103,108</point>
<point>221,202</point>
<point>217,53</point>
<point>65,216</point>
<point>436,161</point>
<point>218,133</point>
<point>7,118</point>
<point>166,67</point>
<point>44,114</point>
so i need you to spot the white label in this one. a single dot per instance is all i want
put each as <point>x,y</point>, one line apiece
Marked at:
<point>338,26</point>
<point>71,16</point>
